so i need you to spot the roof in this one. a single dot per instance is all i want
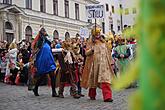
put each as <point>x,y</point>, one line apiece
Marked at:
<point>11,8</point>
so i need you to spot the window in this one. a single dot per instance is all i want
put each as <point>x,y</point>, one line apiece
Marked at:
<point>77,35</point>
<point>66,8</point>
<point>42,6</point>
<point>118,28</point>
<point>103,27</point>
<point>7,1</point>
<point>89,20</point>
<point>8,36</point>
<point>56,34</point>
<point>113,9</point>
<point>8,26</point>
<point>134,11</point>
<point>67,36</point>
<point>126,11</point>
<point>28,33</point>
<point>77,11</point>
<point>55,7</point>
<point>107,7</point>
<point>29,4</point>
<point>111,26</point>
<point>121,6</point>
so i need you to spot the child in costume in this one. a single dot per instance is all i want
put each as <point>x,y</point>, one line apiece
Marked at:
<point>67,70</point>
<point>78,62</point>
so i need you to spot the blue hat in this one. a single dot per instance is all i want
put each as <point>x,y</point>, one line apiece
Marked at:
<point>58,46</point>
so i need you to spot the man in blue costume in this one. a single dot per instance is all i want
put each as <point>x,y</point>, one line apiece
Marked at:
<point>43,60</point>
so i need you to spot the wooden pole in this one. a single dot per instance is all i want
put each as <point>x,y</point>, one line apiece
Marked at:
<point>95,25</point>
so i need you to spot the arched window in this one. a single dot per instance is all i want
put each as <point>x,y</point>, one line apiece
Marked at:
<point>9,35</point>
<point>67,35</point>
<point>8,26</point>
<point>56,34</point>
<point>28,33</point>
<point>77,35</point>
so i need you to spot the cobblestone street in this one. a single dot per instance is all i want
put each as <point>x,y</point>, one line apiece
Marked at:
<point>19,98</point>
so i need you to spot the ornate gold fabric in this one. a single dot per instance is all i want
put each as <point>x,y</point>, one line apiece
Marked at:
<point>98,67</point>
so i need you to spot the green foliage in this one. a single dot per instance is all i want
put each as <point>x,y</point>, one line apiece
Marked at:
<point>151,66</point>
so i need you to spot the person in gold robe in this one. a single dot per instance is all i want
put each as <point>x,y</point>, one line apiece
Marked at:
<point>97,71</point>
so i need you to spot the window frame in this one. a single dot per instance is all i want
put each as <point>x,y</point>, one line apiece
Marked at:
<point>55,7</point>
<point>126,11</point>
<point>28,33</point>
<point>67,35</point>
<point>66,4</point>
<point>77,11</point>
<point>107,7</point>
<point>113,9</point>
<point>8,25</point>
<point>29,4</point>
<point>9,2</point>
<point>134,11</point>
<point>89,20</point>
<point>55,34</point>
<point>43,6</point>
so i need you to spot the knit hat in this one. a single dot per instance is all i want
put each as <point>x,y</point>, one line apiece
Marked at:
<point>58,46</point>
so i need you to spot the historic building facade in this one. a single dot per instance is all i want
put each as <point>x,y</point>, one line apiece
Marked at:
<point>118,13</point>
<point>22,19</point>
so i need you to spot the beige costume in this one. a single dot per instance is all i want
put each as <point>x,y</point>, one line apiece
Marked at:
<point>97,68</point>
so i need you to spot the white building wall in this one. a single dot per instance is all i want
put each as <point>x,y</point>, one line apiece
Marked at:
<point>108,15</point>
<point>61,8</point>
<point>1,25</point>
<point>36,5</point>
<point>116,17</point>
<point>20,3</point>
<point>82,11</point>
<point>129,19</point>
<point>49,6</point>
<point>72,9</point>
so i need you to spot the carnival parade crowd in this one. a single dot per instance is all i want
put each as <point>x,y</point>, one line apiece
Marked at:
<point>76,62</point>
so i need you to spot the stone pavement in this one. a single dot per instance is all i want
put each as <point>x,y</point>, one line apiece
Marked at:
<point>19,98</point>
